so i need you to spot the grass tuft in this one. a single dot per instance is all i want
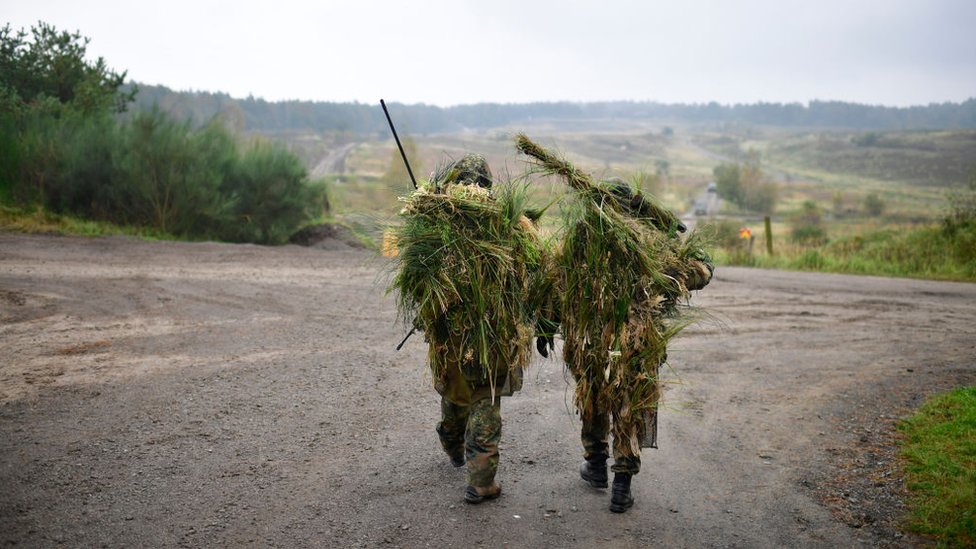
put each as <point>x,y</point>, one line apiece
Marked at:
<point>40,221</point>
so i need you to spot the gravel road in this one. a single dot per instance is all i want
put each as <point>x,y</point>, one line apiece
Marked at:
<point>206,395</point>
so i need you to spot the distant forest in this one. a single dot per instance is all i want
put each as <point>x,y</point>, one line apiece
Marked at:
<point>360,118</point>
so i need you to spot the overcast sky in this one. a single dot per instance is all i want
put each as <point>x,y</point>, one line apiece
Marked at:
<point>443,52</point>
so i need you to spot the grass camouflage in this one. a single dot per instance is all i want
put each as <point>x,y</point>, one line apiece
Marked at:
<point>469,275</point>
<point>622,271</point>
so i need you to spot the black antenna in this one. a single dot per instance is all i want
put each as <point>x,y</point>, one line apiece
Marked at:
<point>402,154</point>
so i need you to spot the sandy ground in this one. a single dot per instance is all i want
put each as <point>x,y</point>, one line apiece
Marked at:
<point>199,394</point>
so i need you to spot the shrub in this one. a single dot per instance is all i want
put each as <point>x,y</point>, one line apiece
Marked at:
<point>874,205</point>
<point>808,226</point>
<point>271,196</point>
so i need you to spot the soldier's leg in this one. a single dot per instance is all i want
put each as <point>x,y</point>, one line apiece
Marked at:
<point>593,435</point>
<point>625,460</point>
<point>481,449</point>
<point>450,430</point>
<point>626,464</point>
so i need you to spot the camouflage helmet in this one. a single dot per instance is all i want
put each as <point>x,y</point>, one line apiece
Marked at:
<point>472,169</point>
<point>619,189</point>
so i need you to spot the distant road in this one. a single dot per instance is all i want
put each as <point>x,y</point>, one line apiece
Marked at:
<point>334,162</point>
<point>706,204</point>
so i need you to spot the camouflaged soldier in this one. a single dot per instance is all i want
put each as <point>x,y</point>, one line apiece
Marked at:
<point>597,422</point>
<point>471,423</point>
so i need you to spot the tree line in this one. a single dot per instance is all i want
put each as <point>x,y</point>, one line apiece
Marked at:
<point>361,118</point>
<point>68,145</point>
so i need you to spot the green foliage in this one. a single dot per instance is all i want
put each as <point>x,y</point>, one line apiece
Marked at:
<point>272,197</point>
<point>959,225</point>
<point>728,181</point>
<point>874,205</point>
<point>41,221</point>
<point>61,148</point>
<point>868,139</point>
<point>84,148</point>
<point>48,72</point>
<point>760,197</point>
<point>743,183</point>
<point>921,253</point>
<point>152,171</point>
<point>723,233</point>
<point>167,176</point>
<point>962,208</point>
<point>808,225</point>
<point>662,168</point>
<point>937,158</point>
<point>940,450</point>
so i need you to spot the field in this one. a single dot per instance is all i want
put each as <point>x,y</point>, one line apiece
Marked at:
<point>911,172</point>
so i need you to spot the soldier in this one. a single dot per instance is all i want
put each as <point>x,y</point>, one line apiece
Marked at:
<point>471,383</point>
<point>621,270</point>
<point>600,413</point>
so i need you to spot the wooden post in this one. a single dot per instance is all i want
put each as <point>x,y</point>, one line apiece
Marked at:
<point>769,235</point>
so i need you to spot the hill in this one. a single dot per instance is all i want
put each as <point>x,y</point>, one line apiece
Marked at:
<point>363,119</point>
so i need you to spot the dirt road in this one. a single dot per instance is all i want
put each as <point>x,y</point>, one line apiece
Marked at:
<point>180,394</point>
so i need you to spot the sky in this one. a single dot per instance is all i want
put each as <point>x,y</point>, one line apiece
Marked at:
<point>443,52</point>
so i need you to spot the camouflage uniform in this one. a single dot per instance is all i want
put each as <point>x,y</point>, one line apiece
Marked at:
<point>470,434</point>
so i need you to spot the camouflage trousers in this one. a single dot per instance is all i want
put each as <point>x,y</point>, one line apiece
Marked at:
<point>594,436</point>
<point>475,431</point>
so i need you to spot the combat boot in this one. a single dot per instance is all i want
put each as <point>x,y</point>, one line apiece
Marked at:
<point>620,498</point>
<point>594,470</point>
<point>477,494</point>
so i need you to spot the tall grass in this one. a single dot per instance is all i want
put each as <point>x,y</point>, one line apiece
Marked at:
<point>929,252</point>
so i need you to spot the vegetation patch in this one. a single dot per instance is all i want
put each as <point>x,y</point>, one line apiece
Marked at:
<point>942,158</point>
<point>67,148</point>
<point>940,449</point>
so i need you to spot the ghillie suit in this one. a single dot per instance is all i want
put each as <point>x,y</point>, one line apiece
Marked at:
<point>469,268</point>
<point>621,272</point>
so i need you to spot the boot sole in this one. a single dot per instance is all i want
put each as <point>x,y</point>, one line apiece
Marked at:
<point>621,507</point>
<point>472,497</point>
<point>595,483</point>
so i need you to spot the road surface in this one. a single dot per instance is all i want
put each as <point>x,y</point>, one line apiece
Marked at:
<point>215,395</point>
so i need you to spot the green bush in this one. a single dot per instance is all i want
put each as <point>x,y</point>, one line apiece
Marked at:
<point>163,177</point>
<point>808,226</point>
<point>874,205</point>
<point>63,148</point>
<point>152,171</point>
<point>746,185</point>
<point>270,196</point>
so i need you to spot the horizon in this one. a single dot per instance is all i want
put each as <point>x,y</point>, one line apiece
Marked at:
<point>804,104</point>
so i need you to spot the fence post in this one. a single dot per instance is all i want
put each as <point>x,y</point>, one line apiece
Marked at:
<point>769,235</point>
